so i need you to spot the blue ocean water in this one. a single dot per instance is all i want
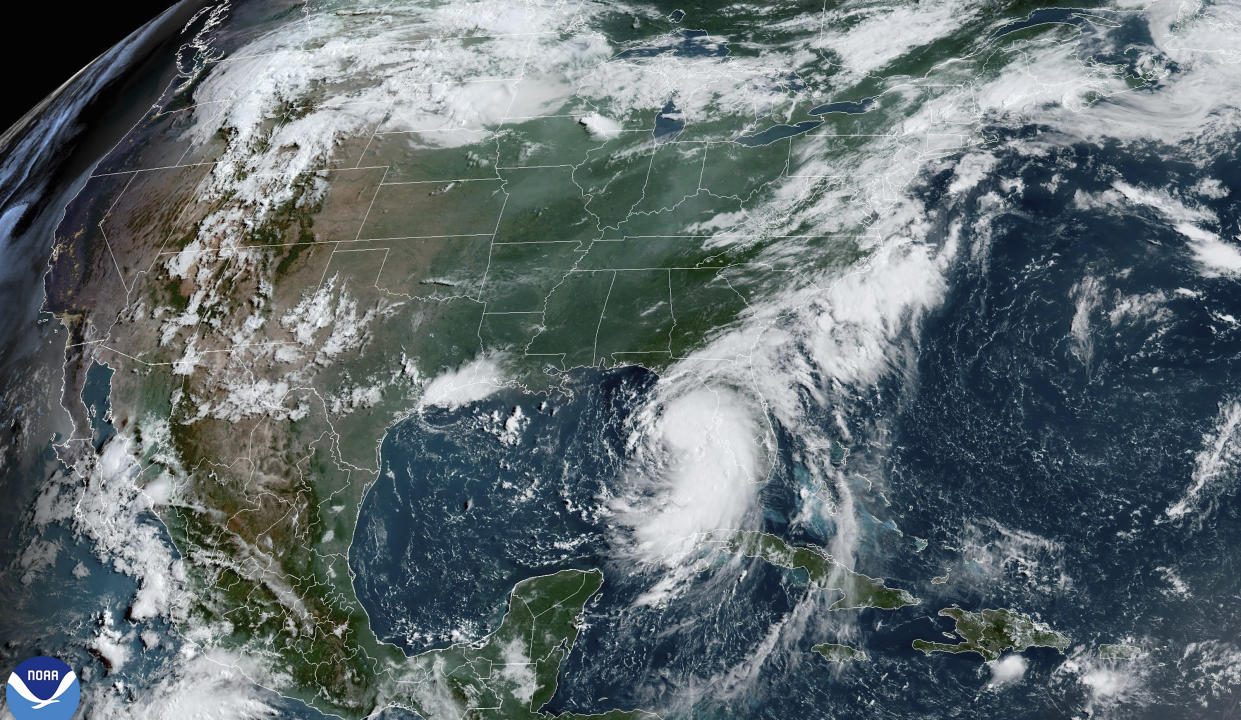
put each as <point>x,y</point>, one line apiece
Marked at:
<point>46,613</point>
<point>1036,466</point>
<point>96,395</point>
<point>457,517</point>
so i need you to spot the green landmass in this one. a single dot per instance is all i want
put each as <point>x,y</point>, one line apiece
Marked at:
<point>990,632</point>
<point>823,571</point>
<point>560,250</point>
<point>839,653</point>
<point>510,674</point>
<point>1120,652</point>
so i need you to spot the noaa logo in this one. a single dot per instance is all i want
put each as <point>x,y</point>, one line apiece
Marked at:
<point>43,688</point>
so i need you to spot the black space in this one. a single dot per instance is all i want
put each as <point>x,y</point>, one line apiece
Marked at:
<point>47,42</point>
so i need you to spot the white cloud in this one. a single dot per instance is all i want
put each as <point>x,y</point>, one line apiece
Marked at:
<point>190,359</point>
<point>477,379</point>
<point>329,306</point>
<point>38,556</point>
<point>1141,306</point>
<point>1110,683</point>
<point>109,644</point>
<point>516,671</point>
<point>1212,666</point>
<point>257,397</point>
<point>1106,683</point>
<point>1215,256</point>
<point>1007,670</point>
<point>112,511</point>
<point>869,38</point>
<point>1086,296</point>
<point>1214,465</point>
<point>699,449</point>
<point>212,685</point>
<point>698,460</point>
<point>1177,586</point>
<point>604,128</point>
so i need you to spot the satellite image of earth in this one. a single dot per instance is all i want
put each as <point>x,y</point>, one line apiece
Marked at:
<point>569,359</point>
